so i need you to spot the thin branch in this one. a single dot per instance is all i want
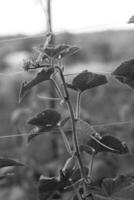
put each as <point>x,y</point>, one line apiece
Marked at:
<point>57,88</point>
<point>78,101</point>
<point>67,100</point>
<point>91,165</point>
<point>66,142</point>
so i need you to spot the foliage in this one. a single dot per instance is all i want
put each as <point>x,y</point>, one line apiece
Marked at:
<point>75,177</point>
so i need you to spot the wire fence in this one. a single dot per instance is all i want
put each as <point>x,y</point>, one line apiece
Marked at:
<point>89,29</point>
<point>94,125</point>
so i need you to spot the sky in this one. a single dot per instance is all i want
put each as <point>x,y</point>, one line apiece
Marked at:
<point>28,17</point>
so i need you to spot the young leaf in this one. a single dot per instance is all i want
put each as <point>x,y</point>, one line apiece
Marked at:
<point>6,162</point>
<point>86,80</point>
<point>108,143</point>
<point>46,120</point>
<point>59,49</point>
<point>131,20</point>
<point>43,75</point>
<point>69,166</point>
<point>125,73</point>
<point>67,52</point>
<point>121,188</point>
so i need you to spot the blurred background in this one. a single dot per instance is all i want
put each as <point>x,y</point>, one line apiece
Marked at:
<point>105,40</point>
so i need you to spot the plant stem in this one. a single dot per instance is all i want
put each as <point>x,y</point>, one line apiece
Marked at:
<point>91,165</point>
<point>66,142</point>
<point>49,19</point>
<point>77,113</point>
<point>67,100</point>
<point>57,88</point>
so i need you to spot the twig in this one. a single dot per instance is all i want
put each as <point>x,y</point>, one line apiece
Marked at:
<point>67,100</point>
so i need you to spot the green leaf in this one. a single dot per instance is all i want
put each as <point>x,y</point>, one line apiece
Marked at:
<point>43,75</point>
<point>86,80</point>
<point>46,120</point>
<point>6,162</point>
<point>131,20</point>
<point>125,73</point>
<point>108,143</point>
<point>120,188</point>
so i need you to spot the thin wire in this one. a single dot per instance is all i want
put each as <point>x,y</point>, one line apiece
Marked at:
<point>95,125</point>
<point>22,38</point>
<point>61,31</point>
<point>70,74</point>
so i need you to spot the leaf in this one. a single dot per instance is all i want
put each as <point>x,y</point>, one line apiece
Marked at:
<point>60,49</point>
<point>54,51</point>
<point>86,149</point>
<point>86,80</point>
<point>131,20</point>
<point>125,73</point>
<point>6,162</point>
<point>46,120</point>
<point>68,51</point>
<point>64,121</point>
<point>43,75</point>
<point>121,187</point>
<point>76,176</point>
<point>47,187</point>
<point>69,166</point>
<point>108,143</point>
<point>84,131</point>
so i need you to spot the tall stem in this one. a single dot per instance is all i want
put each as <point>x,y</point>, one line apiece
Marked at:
<point>77,113</point>
<point>49,18</point>
<point>67,100</point>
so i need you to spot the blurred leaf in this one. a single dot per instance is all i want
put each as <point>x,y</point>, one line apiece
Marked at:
<point>68,51</point>
<point>108,143</point>
<point>121,188</point>
<point>6,162</point>
<point>47,187</point>
<point>86,149</point>
<point>84,131</point>
<point>64,121</point>
<point>131,20</point>
<point>77,174</point>
<point>35,132</point>
<point>44,122</point>
<point>125,73</point>
<point>59,51</point>
<point>43,75</point>
<point>47,119</point>
<point>86,80</point>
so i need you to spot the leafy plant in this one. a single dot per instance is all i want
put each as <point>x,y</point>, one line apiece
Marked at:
<point>75,175</point>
